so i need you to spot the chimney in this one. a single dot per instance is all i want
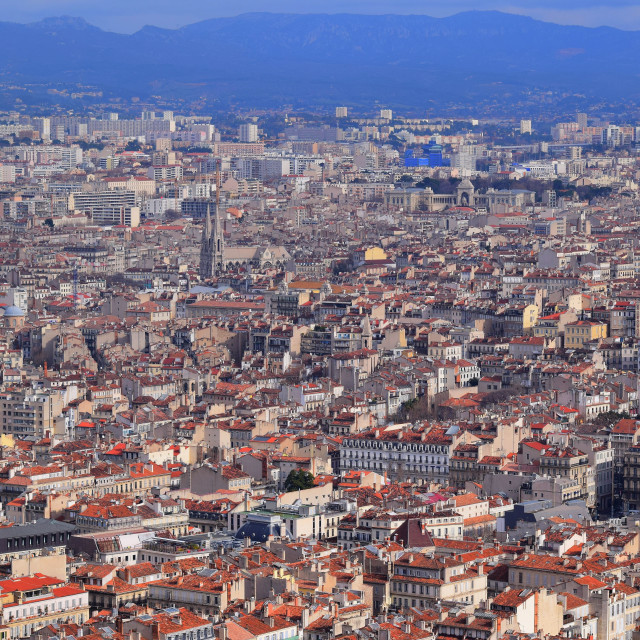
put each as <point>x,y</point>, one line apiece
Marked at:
<point>249,605</point>
<point>223,632</point>
<point>155,631</point>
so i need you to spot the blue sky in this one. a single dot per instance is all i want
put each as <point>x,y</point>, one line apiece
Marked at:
<point>127,16</point>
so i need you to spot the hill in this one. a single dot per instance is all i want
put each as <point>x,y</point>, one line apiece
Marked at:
<point>269,59</point>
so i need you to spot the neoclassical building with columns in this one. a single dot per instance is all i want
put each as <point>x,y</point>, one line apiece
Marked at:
<point>412,198</point>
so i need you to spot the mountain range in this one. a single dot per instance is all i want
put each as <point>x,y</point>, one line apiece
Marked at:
<point>267,59</point>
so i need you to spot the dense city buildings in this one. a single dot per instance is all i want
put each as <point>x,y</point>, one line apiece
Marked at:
<point>312,376</point>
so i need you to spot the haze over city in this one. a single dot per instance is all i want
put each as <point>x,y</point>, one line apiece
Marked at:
<point>126,17</point>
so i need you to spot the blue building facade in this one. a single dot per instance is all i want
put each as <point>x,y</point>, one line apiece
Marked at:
<point>432,157</point>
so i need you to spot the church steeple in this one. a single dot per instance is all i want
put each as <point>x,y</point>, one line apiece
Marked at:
<point>211,246</point>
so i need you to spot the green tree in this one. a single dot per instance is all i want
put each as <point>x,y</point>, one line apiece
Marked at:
<point>85,146</point>
<point>610,418</point>
<point>415,410</point>
<point>433,183</point>
<point>299,479</point>
<point>49,223</point>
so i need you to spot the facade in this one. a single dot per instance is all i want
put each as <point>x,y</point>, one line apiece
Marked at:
<point>570,464</point>
<point>34,538</point>
<point>631,479</point>
<point>420,581</point>
<point>31,414</point>
<point>413,199</point>
<point>108,216</point>
<point>29,603</point>
<point>204,596</point>
<point>95,202</point>
<point>171,624</point>
<point>577,334</point>
<point>403,455</point>
<point>248,132</point>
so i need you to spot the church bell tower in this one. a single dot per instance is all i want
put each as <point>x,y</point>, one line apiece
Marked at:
<point>211,246</point>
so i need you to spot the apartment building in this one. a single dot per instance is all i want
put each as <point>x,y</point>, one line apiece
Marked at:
<point>29,603</point>
<point>421,581</point>
<point>202,595</point>
<point>113,216</point>
<point>165,172</point>
<point>569,463</point>
<point>577,334</point>
<point>88,201</point>
<point>33,414</point>
<point>405,455</point>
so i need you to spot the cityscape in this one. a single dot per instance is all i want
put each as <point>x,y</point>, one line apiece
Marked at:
<point>306,351</point>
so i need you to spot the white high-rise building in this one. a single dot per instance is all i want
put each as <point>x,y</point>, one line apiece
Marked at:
<point>342,112</point>
<point>525,126</point>
<point>386,114</point>
<point>465,162</point>
<point>581,119</point>
<point>70,158</point>
<point>612,136</point>
<point>44,127</point>
<point>114,216</point>
<point>7,173</point>
<point>248,132</point>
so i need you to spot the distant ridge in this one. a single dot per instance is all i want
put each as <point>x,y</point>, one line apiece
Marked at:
<point>270,59</point>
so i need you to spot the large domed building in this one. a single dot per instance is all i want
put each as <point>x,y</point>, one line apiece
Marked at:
<point>13,317</point>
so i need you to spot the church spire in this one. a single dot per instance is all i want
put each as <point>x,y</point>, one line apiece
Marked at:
<point>206,233</point>
<point>212,245</point>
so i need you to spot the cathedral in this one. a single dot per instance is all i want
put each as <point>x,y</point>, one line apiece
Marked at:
<point>215,258</point>
<point>211,247</point>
